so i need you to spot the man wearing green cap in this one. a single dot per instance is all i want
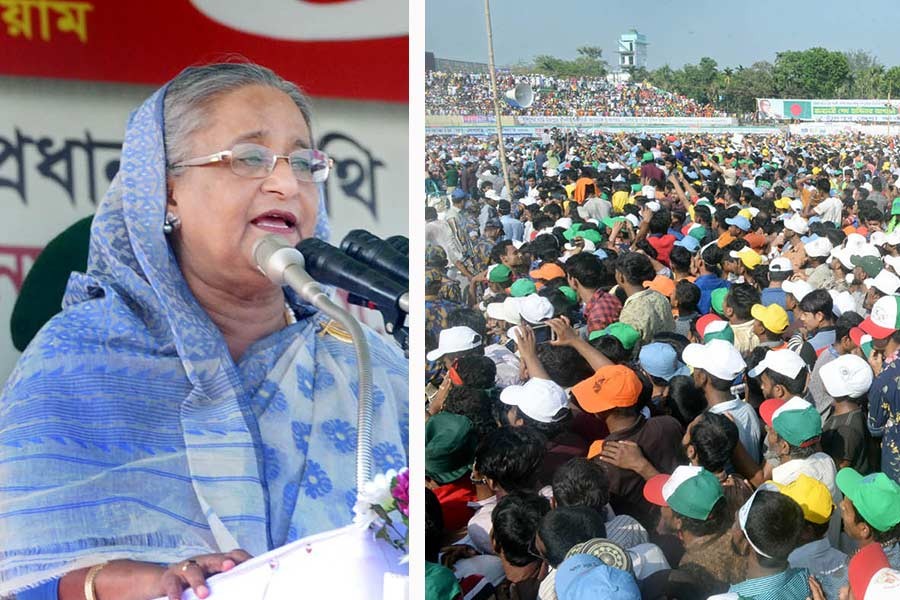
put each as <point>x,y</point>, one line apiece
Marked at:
<point>450,442</point>
<point>693,507</point>
<point>625,333</point>
<point>871,511</point>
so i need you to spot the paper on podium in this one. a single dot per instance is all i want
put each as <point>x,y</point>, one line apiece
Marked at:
<point>346,563</point>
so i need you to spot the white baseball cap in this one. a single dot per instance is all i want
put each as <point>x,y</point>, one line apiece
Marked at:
<point>589,246</point>
<point>648,191</point>
<point>507,311</point>
<point>878,238</point>
<point>843,255</point>
<point>893,262</point>
<point>781,265</point>
<point>717,357</point>
<point>564,222</point>
<point>796,223</point>
<point>818,248</point>
<point>854,241</point>
<point>885,282</point>
<point>540,399</point>
<point>783,362</point>
<point>798,289</point>
<point>454,339</point>
<point>842,302</point>
<point>535,308</point>
<point>847,375</point>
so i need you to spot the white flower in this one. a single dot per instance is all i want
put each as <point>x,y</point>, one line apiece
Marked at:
<point>374,493</point>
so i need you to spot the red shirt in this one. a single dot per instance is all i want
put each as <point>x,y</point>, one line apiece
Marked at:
<point>663,245</point>
<point>601,310</point>
<point>454,498</point>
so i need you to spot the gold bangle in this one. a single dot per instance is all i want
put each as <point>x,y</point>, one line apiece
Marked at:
<point>89,591</point>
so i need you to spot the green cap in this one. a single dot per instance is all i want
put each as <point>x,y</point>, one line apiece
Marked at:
<point>499,274</point>
<point>872,265</point>
<point>636,187</point>
<point>522,287</point>
<point>698,233</point>
<point>895,207</point>
<point>718,330</point>
<point>623,332</point>
<point>796,421</point>
<point>690,491</point>
<point>875,497</point>
<point>648,156</point>
<point>571,231</point>
<point>569,293</point>
<point>590,234</point>
<point>440,583</point>
<point>611,221</point>
<point>450,442</point>
<point>717,300</point>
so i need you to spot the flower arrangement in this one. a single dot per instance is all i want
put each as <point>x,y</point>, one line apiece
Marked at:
<point>383,504</point>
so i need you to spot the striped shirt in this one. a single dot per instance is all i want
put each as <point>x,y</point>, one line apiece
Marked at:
<point>787,585</point>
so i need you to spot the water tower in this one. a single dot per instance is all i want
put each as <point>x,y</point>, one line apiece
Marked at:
<point>632,50</point>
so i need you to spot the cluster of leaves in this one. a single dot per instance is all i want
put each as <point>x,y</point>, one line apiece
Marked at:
<point>589,63</point>
<point>813,73</point>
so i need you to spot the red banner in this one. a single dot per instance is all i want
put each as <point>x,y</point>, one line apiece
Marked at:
<point>333,48</point>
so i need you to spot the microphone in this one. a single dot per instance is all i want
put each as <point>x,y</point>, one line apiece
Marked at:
<point>284,265</point>
<point>400,243</point>
<point>329,265</point>
<point>378,254</point>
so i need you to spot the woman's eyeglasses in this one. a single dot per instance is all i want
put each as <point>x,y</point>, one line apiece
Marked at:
<point>255,162</point>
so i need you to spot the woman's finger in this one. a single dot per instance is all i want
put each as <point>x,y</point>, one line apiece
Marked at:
<point>195,575</point>
<point>172,584</point>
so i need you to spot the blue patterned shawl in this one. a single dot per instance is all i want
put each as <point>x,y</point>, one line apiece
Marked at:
<point>127,430</point>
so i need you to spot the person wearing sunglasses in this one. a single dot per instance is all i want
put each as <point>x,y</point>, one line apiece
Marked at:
<point>183,412</point>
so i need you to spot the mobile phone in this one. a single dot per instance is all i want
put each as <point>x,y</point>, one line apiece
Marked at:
<point>542,334</point>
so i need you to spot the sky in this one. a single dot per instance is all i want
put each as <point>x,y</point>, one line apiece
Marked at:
<point>678,32</point>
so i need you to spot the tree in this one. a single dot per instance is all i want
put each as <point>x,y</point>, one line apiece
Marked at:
<point>589,63</point>
<point>890,83</point>
<point>813,73</point>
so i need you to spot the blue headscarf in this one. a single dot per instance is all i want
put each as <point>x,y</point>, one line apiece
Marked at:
<point>127,430</point>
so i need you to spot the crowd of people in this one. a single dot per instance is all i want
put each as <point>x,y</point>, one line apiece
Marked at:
<point>662,367</point>
<point>470,94</point>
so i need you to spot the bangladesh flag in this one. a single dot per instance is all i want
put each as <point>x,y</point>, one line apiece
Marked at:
<point>797,109</point>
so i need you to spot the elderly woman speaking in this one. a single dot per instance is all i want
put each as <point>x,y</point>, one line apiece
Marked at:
<point>183,412</point>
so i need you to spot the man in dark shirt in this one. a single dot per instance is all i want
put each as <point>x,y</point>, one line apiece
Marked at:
<point>612,395</point>
<point>649,170</point>
<point>845,438</point>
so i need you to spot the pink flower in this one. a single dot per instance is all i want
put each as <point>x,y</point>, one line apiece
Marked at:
<point>400,492</point>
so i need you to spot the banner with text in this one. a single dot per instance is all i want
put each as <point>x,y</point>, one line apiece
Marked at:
<point>830,110</point>
<point>333,48</point>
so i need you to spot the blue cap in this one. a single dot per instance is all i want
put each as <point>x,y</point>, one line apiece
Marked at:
<point>809,238</point>
<point>815,219</point>
<point>740,222</point>
<point>661,360</point>
<point>690,243</point>
<point>458,193</point>
<point>601,253</point>
<point>583,576</point>
<point>705,172</point>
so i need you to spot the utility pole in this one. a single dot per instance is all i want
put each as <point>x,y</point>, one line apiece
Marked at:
<point>500,144</point>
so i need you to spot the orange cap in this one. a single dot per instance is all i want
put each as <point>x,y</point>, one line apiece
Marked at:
<point>596,449</point>
<point>613,386</point>
<point>661,284</point>
<point>547,271</point>
<point>756,240</point>
<point>725,239</point>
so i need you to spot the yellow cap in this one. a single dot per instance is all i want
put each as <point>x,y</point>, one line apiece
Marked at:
<point>886,166</point>
<point>812,496</point>
<point>750,258</point>
<point>816,170</point>
<point>773,317</point>
<point>746,214</point>
<point>783,203</point>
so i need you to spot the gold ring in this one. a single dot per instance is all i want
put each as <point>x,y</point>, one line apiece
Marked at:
<point>188,563</point>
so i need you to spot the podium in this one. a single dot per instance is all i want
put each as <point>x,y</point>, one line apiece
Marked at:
<point>347,563</point>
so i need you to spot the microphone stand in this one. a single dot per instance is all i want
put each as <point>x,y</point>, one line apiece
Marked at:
<point>284,265</point>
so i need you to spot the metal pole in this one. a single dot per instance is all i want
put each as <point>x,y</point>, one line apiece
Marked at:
<point>490,37</point>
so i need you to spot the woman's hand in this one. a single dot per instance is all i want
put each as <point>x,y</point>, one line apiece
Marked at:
<point>192,573</point>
